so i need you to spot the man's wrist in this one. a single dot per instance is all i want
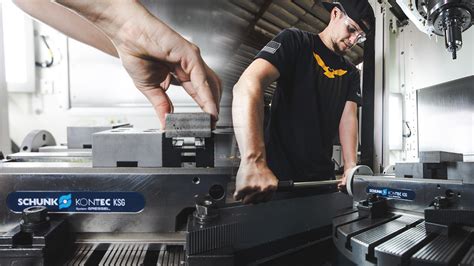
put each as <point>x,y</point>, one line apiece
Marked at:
<point>257,158</point>
<point>348,166</point>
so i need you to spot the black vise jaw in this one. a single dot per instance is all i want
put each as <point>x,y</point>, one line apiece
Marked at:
<point>374,206</point>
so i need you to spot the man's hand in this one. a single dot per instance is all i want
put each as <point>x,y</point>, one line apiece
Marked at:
<point>152,74</point>
<point>342,185</point>
<point>255,183</point>
<point>152,53</point>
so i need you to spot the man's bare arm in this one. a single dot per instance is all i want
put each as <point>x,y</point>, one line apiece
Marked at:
<point>255,181</point>
<point>67,22</point>
<point>152,53</point>
<point>348,136</point>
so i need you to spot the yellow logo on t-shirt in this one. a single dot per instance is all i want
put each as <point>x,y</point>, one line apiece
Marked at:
<point>329,72</point>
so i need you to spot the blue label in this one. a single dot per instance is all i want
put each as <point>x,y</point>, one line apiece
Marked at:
<point>393,193</point>
<point>57,201</point>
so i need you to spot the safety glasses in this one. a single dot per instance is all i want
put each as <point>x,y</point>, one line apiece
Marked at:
<point>351,28</point>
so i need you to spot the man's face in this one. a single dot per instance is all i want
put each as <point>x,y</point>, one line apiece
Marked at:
<point>346,34</point>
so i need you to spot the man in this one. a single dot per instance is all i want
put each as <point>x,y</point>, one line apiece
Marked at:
<point>152,53</point>
<point>317,95</point>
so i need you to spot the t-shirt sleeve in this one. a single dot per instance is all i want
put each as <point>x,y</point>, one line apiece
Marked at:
<point>354,94</point>
<point>281,51</point>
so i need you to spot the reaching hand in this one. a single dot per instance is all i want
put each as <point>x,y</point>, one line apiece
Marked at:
<point>152,53</point>
<point>255,183</point>
<point>153,63</point>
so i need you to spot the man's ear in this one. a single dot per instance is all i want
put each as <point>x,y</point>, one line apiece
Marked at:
<point>335,12</point>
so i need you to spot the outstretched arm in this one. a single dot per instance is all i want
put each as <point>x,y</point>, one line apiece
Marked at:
<point>255,181</point>
<point>348,136</point>
<point>151,52</point>
<point>67,22</point>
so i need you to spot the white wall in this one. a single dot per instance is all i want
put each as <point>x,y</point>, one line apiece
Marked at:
<point>4,125</point>
<point>421,61</point>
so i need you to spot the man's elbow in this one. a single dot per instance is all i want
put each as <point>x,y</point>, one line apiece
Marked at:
<point>245,88</point>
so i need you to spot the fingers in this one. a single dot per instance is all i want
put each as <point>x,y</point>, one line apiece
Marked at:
<point>254,195</point>
<point>341,186</point>
<point>202,93</point>
<point>240,193</point>
<point>160,102</point>
<point>215,85</point>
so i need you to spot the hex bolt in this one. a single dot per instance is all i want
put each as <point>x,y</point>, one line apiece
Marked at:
<point>34,218</point>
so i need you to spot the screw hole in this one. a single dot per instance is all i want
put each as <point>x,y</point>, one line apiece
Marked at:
<point>196,180</point>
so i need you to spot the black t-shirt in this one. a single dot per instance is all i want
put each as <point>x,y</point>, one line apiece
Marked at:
<point>311,93</point>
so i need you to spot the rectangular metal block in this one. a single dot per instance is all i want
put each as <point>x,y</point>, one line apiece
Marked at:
<point>410,170</point>
<point>81,137</point>
<point>188,125</point>
<point>440,157</point>
<point>128,147</point>
<point>422,170</point>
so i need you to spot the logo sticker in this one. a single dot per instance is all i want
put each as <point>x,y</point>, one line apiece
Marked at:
<point>402,194</point>
<point>79,201</point>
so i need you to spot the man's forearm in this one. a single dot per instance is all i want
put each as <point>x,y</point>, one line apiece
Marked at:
<point>348,137</point>
<point>247,114</point>
<point>121,21</point>
<point>68,23</point>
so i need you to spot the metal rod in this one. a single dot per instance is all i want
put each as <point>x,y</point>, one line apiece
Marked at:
<point>313,184</point>
<point>289,184</point>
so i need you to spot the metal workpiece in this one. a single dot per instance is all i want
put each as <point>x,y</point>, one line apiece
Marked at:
<point>128,147</point>
<point>443,170</point>
<point>80,137</point>
<point>440,157</point>
<point>36,139</point>
<point>188,125</point>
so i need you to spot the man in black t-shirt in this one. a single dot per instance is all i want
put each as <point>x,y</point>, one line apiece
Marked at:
<point>317,95</point>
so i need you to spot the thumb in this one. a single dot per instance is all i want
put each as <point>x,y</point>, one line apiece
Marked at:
<point>160,102</point>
